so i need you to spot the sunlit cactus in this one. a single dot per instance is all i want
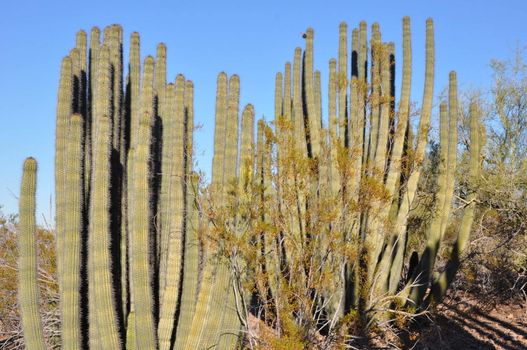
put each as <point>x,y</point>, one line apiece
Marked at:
<point>27,263</point>
<point>304,223</point>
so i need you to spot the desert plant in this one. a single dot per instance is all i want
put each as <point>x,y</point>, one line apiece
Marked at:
<point>304,228</point>
<point>331,242</point>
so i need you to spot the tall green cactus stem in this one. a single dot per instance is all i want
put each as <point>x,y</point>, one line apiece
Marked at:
<point>76,77</point>
<point>247,146</point>
<point>375,93</point>
<point>362,86</point>
<point>215,321</point>
<point>64,110</point>
<point>167,183</point>
<point>278,115</point>
<point>90,86</point>
<point>162,110</point>
<point>324,162</point>
<point>308,81</point>
<point>169,295</point>
<point>115,47</point>
<point>103,312</point>
<point>231,146</point>
<point>230,324</point>
<point>189,126</point>
<point>287,102</point>
<point>403,111</point>
<point>447,166</point>
<point>220,133</point>
<point>73,229</point>
<point>452,146</point>
<point>332,100</point>
<point>135,112</point>
<point>89,153</point>
<point>440,285</point>
<point>278,96</point>
<point>408,194</point>
<point>342,83</point>
<point>141,209</point>
<point>384,118</point>
<point>298,113</point>
<point>81,46</point>
<point>333,132</point>
<point>394,171</point>
<point>426,264</point>
<point>190,265</point>
<point>27,265</point>
<point>135,82</point>
<point>379,163</point>
<point>189,285</point>
<point>139,236</point>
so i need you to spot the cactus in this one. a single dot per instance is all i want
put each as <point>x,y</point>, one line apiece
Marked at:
<point>166,267</point>
<point>27,265</point>
<point>139,236</point>
<point>71,310</point>
<point>169,292</point>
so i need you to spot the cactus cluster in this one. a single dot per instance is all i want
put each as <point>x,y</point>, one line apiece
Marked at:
<point>364,161</point>
<point>127,221</point>
<point>135,270</point>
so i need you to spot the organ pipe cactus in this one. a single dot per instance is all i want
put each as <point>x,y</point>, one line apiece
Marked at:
<point>27,264</point>
<point>166,265</point>
<point>376,196</point>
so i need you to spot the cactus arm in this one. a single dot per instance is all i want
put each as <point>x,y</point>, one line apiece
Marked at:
<point>115,46</point>
<point>231,146</point>
<point>363,87</point>
<point>287,106</point>
<point>247,146</point>
<point>88,125</point>
<point>140,229</point>
<point>298,113</point>
<point>332,142</point>
<point>423,271</point>
<point>375,94</point>
<point>230,324</point>
<point>452,146</point>
<point>342,84</point>
<point>220,133</point>
<point>440,285</point>
<point>422,138</point>
<point>394,171</point>
<point>278,96</point>
<point>190,265</point>
<point>308,80</point>
<point>27,246</point>
<point>168,186</point>
<point>104,319</point>
<point>161,93</point>
<point>216,320</point>
<point>176,196</point>
<point>64,109</point>
<point>73,229</point>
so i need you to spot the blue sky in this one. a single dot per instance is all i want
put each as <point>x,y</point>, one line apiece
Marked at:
<point>253,38</point>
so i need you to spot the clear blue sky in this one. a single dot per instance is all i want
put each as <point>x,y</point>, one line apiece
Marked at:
<point>253,38</point>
